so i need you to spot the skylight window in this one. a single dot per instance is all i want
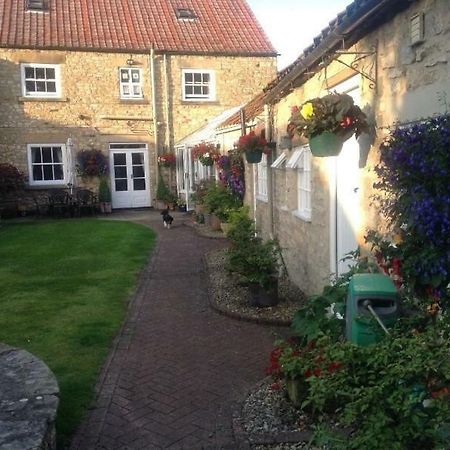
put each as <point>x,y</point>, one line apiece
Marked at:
<point>185,14</point>
<point>36,5</point>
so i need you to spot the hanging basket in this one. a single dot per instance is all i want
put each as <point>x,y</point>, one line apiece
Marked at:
<point>253,156</point>
<point>326,144</point>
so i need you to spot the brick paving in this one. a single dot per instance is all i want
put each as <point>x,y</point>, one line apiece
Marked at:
<point>178,369</point>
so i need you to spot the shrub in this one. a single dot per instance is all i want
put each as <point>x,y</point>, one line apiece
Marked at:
<point>219,200</point>
<point>254,260</point>
<point>163,192</point>
<point>11,179</point>
<point>414,170</point>
<point>104,192</point>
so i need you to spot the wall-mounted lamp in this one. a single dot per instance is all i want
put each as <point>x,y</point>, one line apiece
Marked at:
<point>131,61</point>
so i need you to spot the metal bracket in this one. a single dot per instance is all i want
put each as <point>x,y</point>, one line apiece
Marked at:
<point>371,73</point>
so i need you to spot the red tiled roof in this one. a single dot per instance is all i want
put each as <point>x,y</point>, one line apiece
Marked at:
<point>221,26</point>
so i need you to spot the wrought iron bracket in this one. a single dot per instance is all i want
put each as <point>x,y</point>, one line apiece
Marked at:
<point>368,71</point>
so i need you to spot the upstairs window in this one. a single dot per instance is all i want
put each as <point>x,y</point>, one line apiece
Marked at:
<point>41,80</point>
<point>198,85</point>
<point>46,164</point>
<point>130,83</point>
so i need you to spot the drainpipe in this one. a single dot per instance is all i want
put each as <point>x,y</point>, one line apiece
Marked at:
<point>270,184</point>
<point>154,113</point>
<point>167,112</point>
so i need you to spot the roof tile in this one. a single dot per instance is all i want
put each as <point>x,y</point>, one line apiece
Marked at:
<point>222,26</point>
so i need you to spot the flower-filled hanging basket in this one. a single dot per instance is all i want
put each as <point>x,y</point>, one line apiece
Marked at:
<point>206,153</point>
<point>326,144</point>
<point>328,122</point>
<point>253,146</point>
<point>253,156</point>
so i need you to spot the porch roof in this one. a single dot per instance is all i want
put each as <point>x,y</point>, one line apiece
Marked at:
<point>207,132</point>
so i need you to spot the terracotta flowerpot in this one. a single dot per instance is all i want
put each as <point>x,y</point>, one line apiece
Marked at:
<point>326,144</point>
<point>214,222</point>
<point>225,227</point>
<point>253,156</point>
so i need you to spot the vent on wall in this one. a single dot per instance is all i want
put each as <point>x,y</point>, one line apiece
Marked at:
<point>36,5</point>
<point>417,29</point>
<point>185,14</point>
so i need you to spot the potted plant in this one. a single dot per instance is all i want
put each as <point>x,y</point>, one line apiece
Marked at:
<point>217,199</point>
<point>167,160</point>
<point>206,153</point>
<point>255,261</point>
<point>253,146</point>
<point>328,122</point>
<point>104,196</point>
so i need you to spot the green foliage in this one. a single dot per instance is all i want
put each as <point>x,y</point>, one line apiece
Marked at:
<point>63,298</point>
<point>220,200</point>
<point>393,394</point>
<point>320,314</point>
<point>11,179</point>
<point>253,259</point>
<point>163,192</point>
<point>104,193</point>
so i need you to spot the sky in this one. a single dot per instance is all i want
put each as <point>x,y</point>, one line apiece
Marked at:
<point>292,24</point>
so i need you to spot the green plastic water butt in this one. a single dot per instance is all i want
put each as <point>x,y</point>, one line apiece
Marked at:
<point>379,292</point>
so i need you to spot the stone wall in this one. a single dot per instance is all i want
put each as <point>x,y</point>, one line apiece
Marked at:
<point>29,397</point>
<point>92,113</point>
<point>413,81</point>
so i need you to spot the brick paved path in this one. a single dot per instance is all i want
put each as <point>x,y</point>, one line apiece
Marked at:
<point>178,369</point>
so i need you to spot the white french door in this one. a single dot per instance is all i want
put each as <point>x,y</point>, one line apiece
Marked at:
<point>130,186</point>
<point>185,173</point>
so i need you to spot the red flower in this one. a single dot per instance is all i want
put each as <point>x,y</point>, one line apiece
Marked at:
<point>333,366</point>
<point>346,122</point>
<point>308,373</point>
<point>275,386</point>
<point>317,372</point>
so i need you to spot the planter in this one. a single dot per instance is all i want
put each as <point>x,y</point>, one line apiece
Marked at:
<point>326,144</point>
<point>225,227</point>
<point>199,208</point>
<point>253,156</point>
<point>263,298</point>
<point>296,390</point>
<point>214,222</point>
<point>105,207</point>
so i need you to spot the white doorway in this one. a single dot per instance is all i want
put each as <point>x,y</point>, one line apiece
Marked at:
<point>345,183</point>
<point>130,184</point>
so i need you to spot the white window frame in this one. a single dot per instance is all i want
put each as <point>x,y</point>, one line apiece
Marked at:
<point>34,182</point>
<point>261,179</point>
<point>199,97</point>
<point>301,161</point>
<point>41,94</point>
<point>130,84</point>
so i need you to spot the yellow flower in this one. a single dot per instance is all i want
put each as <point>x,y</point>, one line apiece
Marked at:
<point>307,110</point>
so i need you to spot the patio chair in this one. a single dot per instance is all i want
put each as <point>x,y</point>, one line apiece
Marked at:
<point>41,205</point>
<point>85,201</point>
<point>58,201</point>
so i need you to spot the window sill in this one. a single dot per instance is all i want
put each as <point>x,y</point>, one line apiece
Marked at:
<point>302,215</point>
<point>262,198</point>
<point>42,99</point>
<point>35,187</point>
<point>200,102</point>
<point>284,208</point>
<point>136,101</point>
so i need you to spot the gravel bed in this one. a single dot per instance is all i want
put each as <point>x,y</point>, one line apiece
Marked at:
<point>230,298</point>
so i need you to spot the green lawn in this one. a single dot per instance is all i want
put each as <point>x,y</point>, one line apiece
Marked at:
<point>64,287</point>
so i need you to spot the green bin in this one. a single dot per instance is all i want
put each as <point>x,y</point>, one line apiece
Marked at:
<point>379,292</point>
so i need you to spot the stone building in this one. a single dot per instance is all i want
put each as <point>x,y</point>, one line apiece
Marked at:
<point>128,78</point>
<point>392,58</point>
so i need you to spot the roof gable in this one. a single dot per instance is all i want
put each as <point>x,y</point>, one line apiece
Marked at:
<point>219,26</point>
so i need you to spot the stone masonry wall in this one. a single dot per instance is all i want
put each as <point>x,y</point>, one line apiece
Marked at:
<point>413,82</point>
<point>92,113</point>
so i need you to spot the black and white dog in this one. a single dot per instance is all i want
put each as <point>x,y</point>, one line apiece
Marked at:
<point>167,218</point>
